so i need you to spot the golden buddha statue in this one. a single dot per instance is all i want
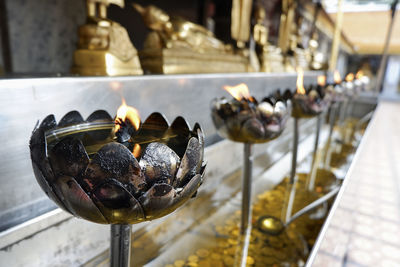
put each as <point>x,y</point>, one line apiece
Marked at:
<point>270,57</point>
<point>176,45</point>
<point>104,47</point>
<point>297,56</point>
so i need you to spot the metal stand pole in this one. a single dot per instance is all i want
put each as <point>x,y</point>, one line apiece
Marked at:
<point>317,133</point>
<point>120,248</point>
<point>343,110</point>
<point>332,118</point>
<point>294,154</point>
<point>316,156</point>
<point>291,189</point>
<point>246,188</point>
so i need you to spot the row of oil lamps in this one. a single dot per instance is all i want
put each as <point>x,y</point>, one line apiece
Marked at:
<point>123,171</point>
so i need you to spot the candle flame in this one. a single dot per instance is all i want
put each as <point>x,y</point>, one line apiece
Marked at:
<point>359,74</point>
<point>124,113</point>
<point>136,150</point>
<point>321,80</point>
<point>300,81</point>
<point>336,77</point>
<point>239,91</point>
<point>349,77</point>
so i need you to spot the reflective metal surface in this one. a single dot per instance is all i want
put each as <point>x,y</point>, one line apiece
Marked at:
<point>88,170</point>
<point>24,101</point>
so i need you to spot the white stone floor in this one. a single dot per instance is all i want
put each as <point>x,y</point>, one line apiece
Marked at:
<point>365,228</point>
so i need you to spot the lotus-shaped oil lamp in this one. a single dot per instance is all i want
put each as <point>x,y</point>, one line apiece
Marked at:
<point>118,172</point>
<point>244,119</point>
<point>361,80</point>
<point>307,104</point>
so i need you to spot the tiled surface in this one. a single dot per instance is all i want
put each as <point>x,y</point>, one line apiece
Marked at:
<point>365,227</point>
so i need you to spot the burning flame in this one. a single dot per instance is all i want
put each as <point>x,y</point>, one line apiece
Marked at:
<point>300,81</point>
<point>239,91</point>
<point>349,77</point>
<point>124,113</point>
<point>321,80</point>
<point>136,150</point>
<point>359,74</point>
<point>336,77</point>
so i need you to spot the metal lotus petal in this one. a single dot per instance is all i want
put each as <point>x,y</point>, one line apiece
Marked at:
<point>153,128</point>
<point>189,163</point>
<point>37,145</point>
<point>157,200</point>
<point>266,109</point>
<point>41,179</point>
<point>69,157</point>
<point>159,163</point>
<point>116,203</point>
<point>99,115</point>
<point>114,160</point>
<point>280,108</point>
<point>287,95</point>
<point>197,129</point>
<point>189,190</point>
<point>78,202</point>
<point>178,135</point>
<point>48,123</point>
<point>253,130</point>
<point>72,117</point>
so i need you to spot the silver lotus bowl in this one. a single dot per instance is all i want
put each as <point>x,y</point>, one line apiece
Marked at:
<point>308,105</point>
<point>249,121</point>
<point>90,171</point>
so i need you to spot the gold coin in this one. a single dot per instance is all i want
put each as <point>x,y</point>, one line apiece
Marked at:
<point>235,232</point>
<point>191,264</point>
<point>232,241</point>
<point>217,263</point>
<point>193,258</point>
<point>169,265</point>
<point>223,244</point>
<point>215,256</point>
<point>179,263</point>
<point>249,260</point>
<point>204,263</point>
<point>280,255</point>
<point>229,261</point>
<point>202,253</point>
<point>230,251</point>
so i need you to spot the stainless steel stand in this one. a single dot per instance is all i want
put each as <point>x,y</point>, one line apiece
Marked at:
<point>294,154</point>
<point>315,159</point>
<point>120,248</point>
<point>317,133</point>
<point>246,188</point>
<point>291,187</point>
<point>327,150</point>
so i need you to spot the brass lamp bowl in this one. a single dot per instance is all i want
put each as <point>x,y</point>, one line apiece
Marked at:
<point>248,121</point>
<point>89,170</point>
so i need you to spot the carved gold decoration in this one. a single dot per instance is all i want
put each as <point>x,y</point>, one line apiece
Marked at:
<point>104,47</point>
<point>176,45</point>
<point>240,25</point>
<point>270,57</point>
